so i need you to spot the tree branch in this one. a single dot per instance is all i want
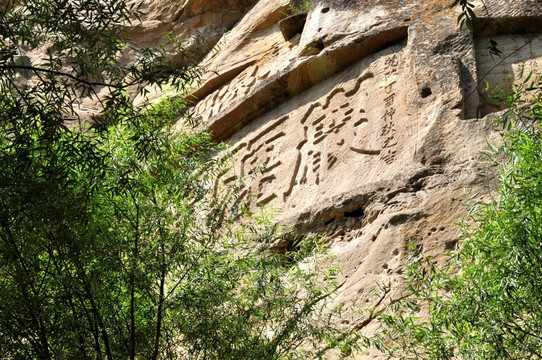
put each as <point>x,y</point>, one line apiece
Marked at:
<point>59,73</point>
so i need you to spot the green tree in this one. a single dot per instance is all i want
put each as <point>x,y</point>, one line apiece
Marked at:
<point>118,239</point>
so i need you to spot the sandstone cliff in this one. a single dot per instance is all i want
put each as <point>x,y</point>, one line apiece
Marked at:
<point>364,113</point>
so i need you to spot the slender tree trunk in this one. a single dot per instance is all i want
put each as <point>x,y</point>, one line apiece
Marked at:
<point>74,295</point>
<point>33,306</point>
<point>132,285</point>
<point>161,298</point>
<point>80,338</point>
<point>94,329</point>
<point>95,311</point>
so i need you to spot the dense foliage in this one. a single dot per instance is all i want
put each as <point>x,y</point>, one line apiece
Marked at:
<point>118,239</point>
<point>140,257</point>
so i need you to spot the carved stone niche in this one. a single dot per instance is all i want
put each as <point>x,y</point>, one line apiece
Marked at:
<point>521,54</point>
<point>351,129</point>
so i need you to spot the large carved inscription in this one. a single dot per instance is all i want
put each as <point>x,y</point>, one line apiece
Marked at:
<point>236,89</point>
<point>522,53</point>
<point>389,128</point>
<point>242,85</point>
<point>335,142</point>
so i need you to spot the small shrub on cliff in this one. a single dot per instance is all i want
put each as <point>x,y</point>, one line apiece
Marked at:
<point>298,6</point>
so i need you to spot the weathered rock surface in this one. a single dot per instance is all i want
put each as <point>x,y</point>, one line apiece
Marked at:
<point>189,19</point>
<point>364,121</point>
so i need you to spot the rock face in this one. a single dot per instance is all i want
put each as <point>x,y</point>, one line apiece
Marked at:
<point>188,18</point>
<point>364,118</point>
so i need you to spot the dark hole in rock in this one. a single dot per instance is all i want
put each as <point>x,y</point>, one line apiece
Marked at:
<point>450,244</point>
<point>319,45</point>
<point>426,91</point>
<point>355,213</point>
<point>293,25</point>
<point>417,186</point>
